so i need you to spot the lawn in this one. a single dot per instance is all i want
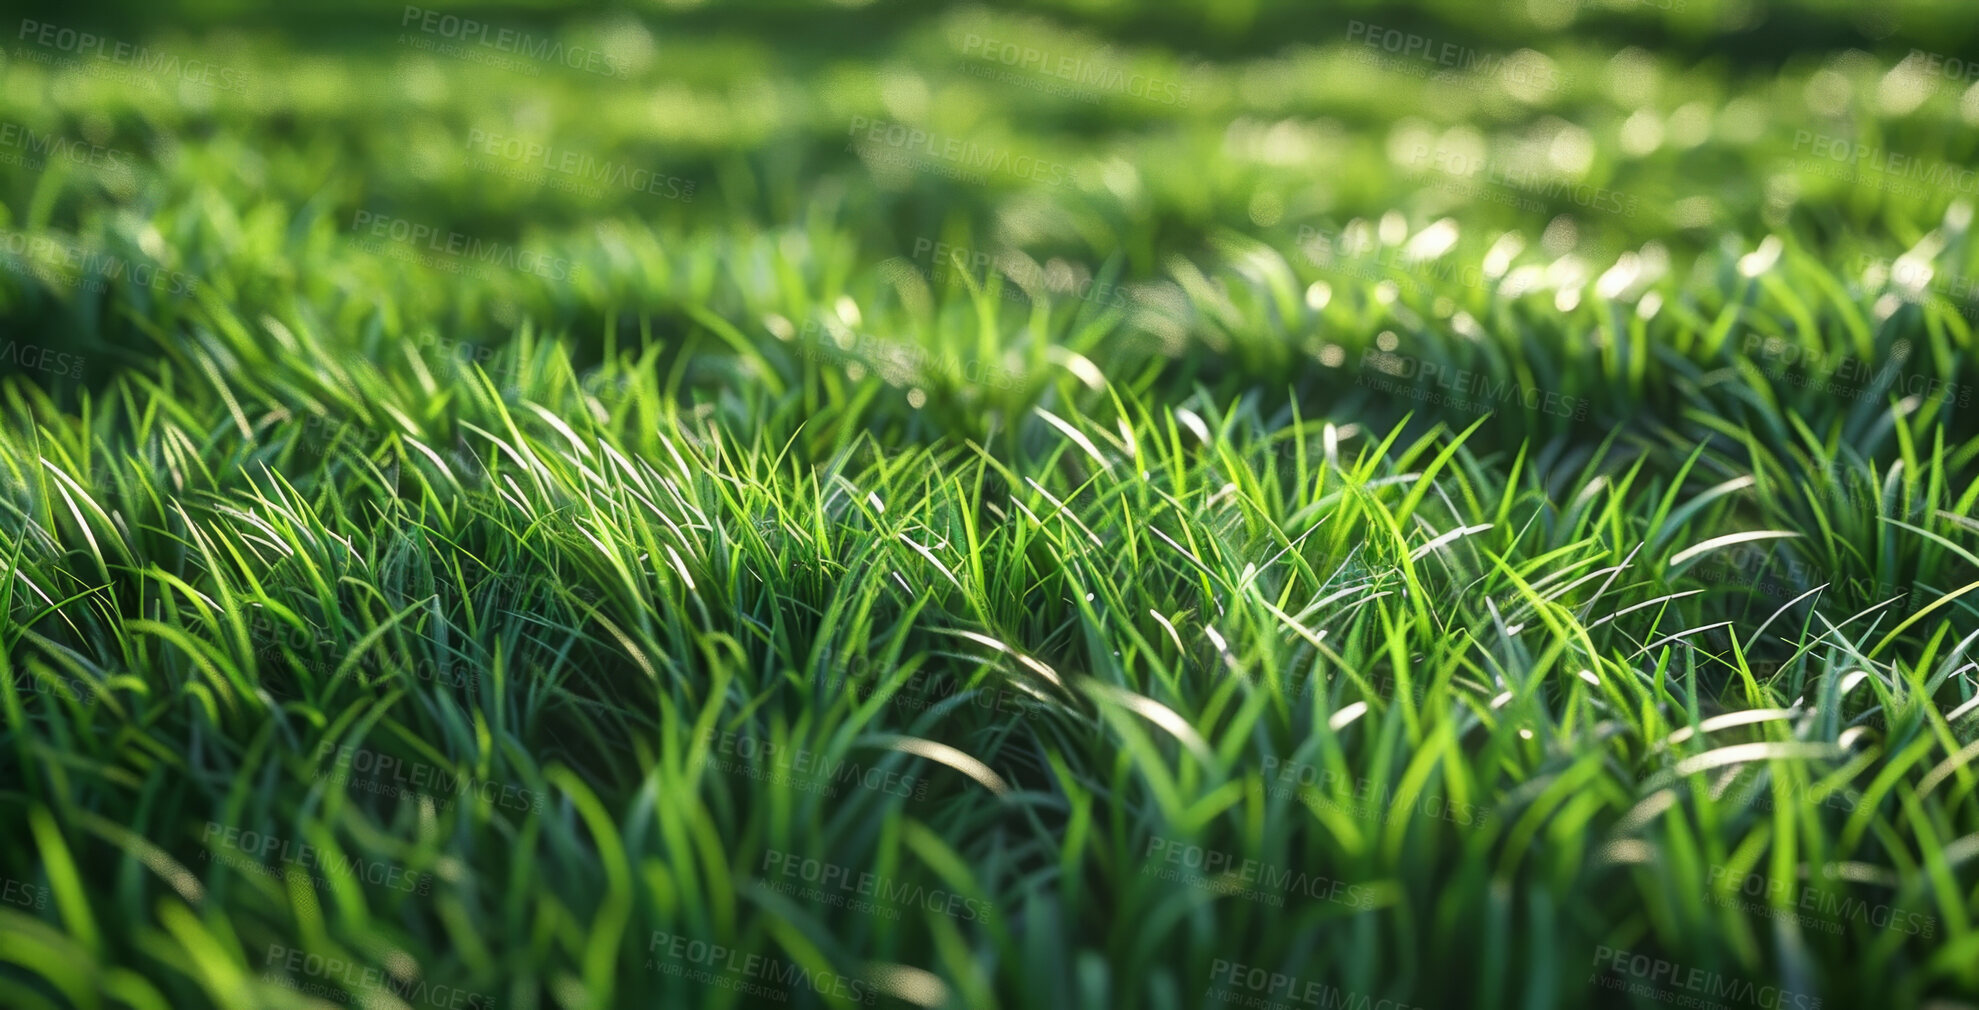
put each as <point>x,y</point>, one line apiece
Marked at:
<point>1081,503</point>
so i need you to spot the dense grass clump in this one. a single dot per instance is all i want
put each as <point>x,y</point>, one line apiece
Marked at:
<point>1325,532</point>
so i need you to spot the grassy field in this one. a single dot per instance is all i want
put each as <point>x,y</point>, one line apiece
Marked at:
<point>1222,504</point>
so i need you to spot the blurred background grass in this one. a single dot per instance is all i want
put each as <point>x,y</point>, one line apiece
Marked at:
<point>1691,115</point>
<point>1307,197</point>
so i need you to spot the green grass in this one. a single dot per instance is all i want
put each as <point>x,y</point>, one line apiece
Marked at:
<point>749,540</point>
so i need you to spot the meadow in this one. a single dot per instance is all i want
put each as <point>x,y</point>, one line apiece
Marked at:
<point>1079,503</point>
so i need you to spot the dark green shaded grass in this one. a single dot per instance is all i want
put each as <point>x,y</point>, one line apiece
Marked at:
<point>1468,693</point>
<point>523,557</point>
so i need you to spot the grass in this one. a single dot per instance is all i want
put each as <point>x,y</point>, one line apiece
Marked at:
<point>1397,590</point>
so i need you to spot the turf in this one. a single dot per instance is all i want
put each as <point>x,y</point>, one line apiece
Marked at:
<point>1177,553</point>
